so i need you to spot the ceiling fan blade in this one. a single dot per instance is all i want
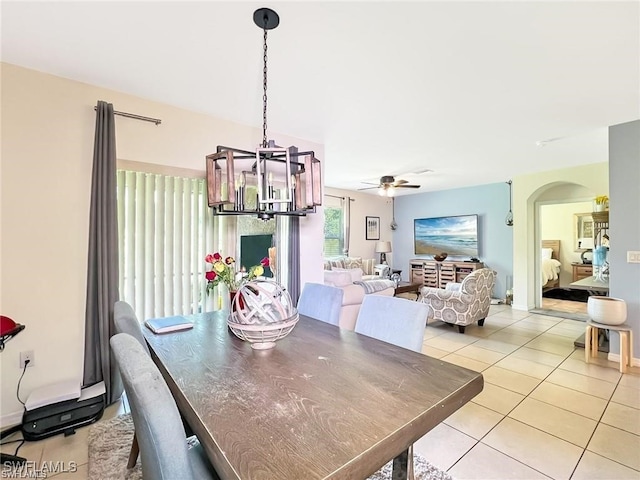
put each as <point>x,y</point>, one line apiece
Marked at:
<point>368,188</point>
<point>399,182</point>
<point>407,186</point>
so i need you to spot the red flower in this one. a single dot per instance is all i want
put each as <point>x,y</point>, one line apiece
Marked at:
<point>211,275</point>
<point>265,262</point>
<point>229,260</point>
<point>217,257</point>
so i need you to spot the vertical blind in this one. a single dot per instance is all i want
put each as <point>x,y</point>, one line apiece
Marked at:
<point>165,230</point>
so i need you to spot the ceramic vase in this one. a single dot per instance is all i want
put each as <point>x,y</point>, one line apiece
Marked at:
<point>607,310</point>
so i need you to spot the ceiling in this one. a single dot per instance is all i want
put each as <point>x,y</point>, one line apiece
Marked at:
<point>477,92</point>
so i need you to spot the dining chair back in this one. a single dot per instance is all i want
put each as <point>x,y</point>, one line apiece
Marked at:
<point>394,320</point>
<point>126,321</point>
<point>161,436</point>
<point>398,321</point>
<point>321,302</point>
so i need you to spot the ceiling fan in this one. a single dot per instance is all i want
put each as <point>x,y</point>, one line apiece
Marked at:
<point>388,184</point>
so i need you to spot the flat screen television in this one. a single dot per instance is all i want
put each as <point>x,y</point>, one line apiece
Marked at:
<point>457,236</point>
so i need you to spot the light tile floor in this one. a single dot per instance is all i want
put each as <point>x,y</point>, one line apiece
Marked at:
<point>543,412</point>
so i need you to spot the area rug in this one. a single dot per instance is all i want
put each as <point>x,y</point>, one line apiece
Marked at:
<point>110,444</point>
<point>567,294</point>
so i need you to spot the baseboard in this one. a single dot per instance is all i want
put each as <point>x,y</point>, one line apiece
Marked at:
<point>615,357</point>
<point>11,419</point>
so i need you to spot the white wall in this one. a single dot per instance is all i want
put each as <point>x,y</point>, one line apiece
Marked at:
<point>47,147</point>
<point>366,204</point>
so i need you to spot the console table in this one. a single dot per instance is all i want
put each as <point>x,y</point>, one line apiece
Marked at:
<point>437,274</point>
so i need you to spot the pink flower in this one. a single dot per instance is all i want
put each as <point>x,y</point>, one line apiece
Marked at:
<point>211,275</point>
<point>209,259</point>
<point>265,262</point>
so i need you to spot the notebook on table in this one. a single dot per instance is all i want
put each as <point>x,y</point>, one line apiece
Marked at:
<point>168,324</point>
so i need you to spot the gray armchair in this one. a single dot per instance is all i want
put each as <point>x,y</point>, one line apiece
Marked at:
<point>462,303</point>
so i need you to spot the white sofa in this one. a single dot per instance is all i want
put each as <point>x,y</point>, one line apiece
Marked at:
<point>367,265</point>
<point>354,293</point>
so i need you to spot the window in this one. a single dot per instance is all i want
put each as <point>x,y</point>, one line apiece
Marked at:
<point>333,230</point>
<point>165,229</point>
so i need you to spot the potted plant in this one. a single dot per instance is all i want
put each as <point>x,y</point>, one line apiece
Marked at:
<point>601,203</point>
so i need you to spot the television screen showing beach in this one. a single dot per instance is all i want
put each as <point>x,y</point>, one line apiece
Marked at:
<point>453,235</point>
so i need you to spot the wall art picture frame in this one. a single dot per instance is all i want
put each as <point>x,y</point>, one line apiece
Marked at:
<point>372,228</point>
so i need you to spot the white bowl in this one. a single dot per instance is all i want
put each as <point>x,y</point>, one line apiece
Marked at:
<point>607,310</point>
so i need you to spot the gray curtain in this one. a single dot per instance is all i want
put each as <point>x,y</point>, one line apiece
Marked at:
<point>294,258</point>
<point>102,270</point>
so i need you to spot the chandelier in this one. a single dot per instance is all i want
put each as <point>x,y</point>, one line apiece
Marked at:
<point>271,180</point>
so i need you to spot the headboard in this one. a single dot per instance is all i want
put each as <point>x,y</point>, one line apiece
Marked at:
<point>554,245</point>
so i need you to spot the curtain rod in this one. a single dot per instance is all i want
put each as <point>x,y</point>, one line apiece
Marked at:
<point>341,198</point>
<point>157,121</point>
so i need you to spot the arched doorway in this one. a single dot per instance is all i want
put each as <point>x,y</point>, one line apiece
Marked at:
<point>556,206</point>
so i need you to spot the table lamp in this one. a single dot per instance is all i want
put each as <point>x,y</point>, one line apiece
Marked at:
<point>383,248</point>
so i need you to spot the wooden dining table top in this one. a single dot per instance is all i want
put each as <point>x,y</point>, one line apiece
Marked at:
<point>324,403</point>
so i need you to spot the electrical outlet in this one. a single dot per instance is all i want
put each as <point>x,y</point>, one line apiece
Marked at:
<point>27,355</point>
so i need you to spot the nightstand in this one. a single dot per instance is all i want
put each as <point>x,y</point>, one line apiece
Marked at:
<point>581,270</point>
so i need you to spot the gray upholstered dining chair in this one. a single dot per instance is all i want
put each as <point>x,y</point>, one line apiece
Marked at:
<point>394,320</point>
<point>398,321</point>
<point>126,321</point>
<point>164,451</point>
<point>321,302</point>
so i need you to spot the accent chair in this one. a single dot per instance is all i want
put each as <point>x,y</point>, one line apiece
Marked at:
<point>463,303</point>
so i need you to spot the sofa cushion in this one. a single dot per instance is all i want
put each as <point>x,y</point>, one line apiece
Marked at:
<point>336,262</point>
<point>356,273</point>
<point>353,262</point>
<point>337,279</point>
<point>368,265</point>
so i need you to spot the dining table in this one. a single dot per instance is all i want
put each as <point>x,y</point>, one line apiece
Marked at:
<point>325,403</point>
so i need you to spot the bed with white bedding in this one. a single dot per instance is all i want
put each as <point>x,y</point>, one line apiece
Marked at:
<point>550,268</point>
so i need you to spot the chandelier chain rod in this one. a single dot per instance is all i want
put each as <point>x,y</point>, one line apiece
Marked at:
<point>264,87</point>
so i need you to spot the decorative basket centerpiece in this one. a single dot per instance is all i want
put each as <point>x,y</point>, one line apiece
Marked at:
<point>440,257</point>
<point>262,313</point>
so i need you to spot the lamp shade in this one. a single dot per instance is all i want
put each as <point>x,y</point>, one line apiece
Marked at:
<point>383,247</point>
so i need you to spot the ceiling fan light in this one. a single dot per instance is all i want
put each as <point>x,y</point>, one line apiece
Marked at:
<point>382,192</point>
